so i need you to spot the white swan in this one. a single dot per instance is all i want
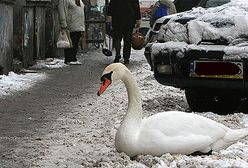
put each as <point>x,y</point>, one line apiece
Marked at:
<point>168,132</point>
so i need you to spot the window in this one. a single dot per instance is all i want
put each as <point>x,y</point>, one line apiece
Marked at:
<point>214,3</point>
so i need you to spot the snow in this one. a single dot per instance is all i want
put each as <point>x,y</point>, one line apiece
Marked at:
<point>13,82</point>
<point>228,22</point>
<point>87,139</point>
<point>49,63</point>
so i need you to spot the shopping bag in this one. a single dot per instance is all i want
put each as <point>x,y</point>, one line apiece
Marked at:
<point>107,45</point>
<point>138,40</point>
<point>64,39</point>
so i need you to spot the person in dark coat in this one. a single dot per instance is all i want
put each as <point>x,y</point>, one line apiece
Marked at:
<point>124,15</point>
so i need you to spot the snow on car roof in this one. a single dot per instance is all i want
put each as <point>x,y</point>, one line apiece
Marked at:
<point>228,22</point>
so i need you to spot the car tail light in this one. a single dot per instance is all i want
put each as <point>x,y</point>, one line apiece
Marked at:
<point>164,69</point>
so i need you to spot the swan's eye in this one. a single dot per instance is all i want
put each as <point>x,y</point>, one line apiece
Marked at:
<point>103,81</point>
<point>106,76</point>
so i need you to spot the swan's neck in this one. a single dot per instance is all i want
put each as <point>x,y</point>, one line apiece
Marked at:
<point>132,121</point>
<point>134,111</point>
<point>128,132</point>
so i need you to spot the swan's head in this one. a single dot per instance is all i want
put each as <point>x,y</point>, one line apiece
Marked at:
<point>111,73</point>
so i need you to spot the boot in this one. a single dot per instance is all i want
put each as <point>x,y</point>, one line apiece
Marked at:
<point>126,61</point>
<point>117,59</point>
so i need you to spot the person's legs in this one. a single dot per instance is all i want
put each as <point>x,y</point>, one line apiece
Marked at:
<point>117,36</point>
<point>75,37</point>
<point>68,52</point>
<point>127,44</point>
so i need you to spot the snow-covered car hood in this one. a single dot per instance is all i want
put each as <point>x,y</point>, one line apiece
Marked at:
<point>229,21</point>
<point>236,52</point>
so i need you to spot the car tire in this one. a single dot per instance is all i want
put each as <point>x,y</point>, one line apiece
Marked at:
<point>225,104</point>
<point>244,106</point>
<point>197,101</point>
<point>218,102</point>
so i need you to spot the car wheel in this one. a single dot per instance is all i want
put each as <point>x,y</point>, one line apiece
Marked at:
<point>217,102</point>
<point>225,104</point>
<point>197,101</point>
<point>244,106</point>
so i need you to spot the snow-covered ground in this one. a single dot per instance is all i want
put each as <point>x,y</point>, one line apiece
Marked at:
<point>86,139</point>
<point>13,82</point>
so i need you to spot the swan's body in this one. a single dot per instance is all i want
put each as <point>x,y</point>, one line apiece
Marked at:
<point>166,132</point>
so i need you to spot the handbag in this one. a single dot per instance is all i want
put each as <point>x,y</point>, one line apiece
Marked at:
<point>64,39</point>
<point>107,46</point>
<point>138,40</point>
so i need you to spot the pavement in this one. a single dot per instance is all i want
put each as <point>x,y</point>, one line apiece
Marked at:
<point>29,114</point>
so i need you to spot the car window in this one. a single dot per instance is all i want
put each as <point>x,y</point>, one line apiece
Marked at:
<point>214,3</point>
<point>184,5</point>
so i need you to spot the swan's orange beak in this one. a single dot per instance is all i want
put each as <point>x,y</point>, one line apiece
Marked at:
<point>106,82</point>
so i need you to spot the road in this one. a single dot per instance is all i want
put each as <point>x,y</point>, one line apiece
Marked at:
<point>29,115</point>
<point>61,123</point>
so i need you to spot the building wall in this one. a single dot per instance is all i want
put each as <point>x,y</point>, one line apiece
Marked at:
<point>28,37</point>
<point>40,43</point>
<point>30,31</point>
<point>18,29</point>
<point>50,32</point>
<point>57,28</point>
<point>27,33</point>
<point>37,28</point>
<point>6,36</point>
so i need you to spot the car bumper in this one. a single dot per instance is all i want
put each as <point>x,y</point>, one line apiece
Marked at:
<point>172,80</point>
<point>148,57</point>
<point>175,77</point>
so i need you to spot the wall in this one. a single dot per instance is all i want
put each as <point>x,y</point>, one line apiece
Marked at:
<point>30,33</point>
<point>50,34</point>
<point>28,37</point>
<point>27,32</point>
<point>6,36</point>
<point>58,52</point>
<point>40,33</point>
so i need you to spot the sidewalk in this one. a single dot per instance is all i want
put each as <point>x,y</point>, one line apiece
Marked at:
<point>28,115</point>
<point>62,123</point>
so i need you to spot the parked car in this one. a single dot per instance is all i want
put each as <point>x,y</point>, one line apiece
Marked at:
<point>181,5</point>
<point>205,53</point>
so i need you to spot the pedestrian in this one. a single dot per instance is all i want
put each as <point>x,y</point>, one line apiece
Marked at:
<point>124,15</point>
<point>160,9</point>
<point>71,17</point>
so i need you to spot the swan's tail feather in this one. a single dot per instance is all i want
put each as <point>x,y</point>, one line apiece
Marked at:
<point>230,138</point>
<point>235,135</point>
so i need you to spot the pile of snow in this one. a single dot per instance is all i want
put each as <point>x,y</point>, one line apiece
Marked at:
<point>49,63</point>
<point>229,21</point>
<point>14,82</point>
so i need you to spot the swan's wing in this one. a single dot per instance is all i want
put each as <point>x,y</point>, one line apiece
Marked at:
<point>176,124</point>
<point>156,143</point>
